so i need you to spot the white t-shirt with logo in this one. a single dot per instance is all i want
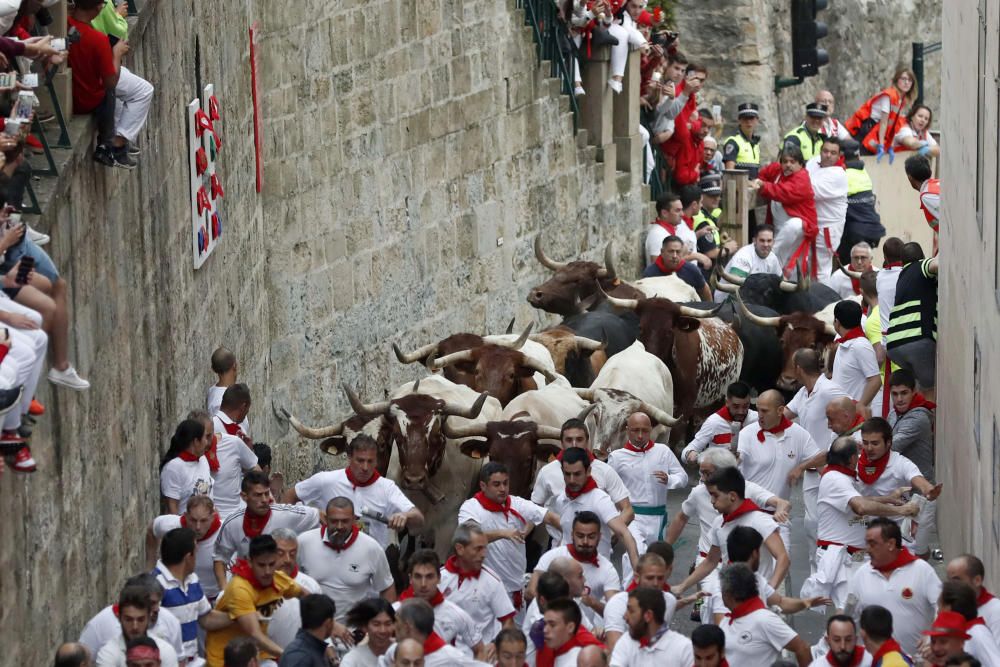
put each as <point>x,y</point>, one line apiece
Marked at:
<point>357,572</point>
<point>756,639</point>
<point>768,463</point>
<point>180,479</point>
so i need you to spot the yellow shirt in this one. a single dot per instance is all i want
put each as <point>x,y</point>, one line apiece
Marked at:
<point>873,332</point>
<point>241,598</point>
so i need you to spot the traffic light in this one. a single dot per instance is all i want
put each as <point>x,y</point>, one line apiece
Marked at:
<point>807,57</point>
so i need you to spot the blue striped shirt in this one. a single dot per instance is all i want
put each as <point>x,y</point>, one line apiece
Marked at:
<point>187,602</point>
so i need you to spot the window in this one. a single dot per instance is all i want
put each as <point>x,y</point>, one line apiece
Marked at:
<point>977,385</point>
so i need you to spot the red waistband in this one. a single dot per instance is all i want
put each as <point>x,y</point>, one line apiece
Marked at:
<point>823,544</point>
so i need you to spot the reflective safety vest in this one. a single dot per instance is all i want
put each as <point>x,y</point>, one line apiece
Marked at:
<point>712,219</point>
<point>858,180</point>
<point>864,128</point>
<point>748,156</point>
<point>806,143</point>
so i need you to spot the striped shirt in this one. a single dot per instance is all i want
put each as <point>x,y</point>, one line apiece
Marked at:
<point>914,313</point>
<point>187,602</point>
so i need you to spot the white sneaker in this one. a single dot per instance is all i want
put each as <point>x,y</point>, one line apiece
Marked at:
<point>615,85</point>
<point>579,91</point>
<point>37,237</point>
<point>68,378</point>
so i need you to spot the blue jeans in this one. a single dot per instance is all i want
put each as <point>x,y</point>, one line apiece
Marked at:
<point>43,263</point>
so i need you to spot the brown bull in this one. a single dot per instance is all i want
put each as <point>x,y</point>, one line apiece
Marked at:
<point>577,358</point>
<point>501,371</point>
<point>573,284</point>
<point>456,343</point>
<point>796,331</point>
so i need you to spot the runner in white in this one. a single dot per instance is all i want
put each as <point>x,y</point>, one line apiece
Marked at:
<point>232,453</point>
<point>722,427</point>
<point>650,642</point>
<point>185,471</point>
<point>653,572</point>
<point>969,569</point>
<point>564,635</point>
<point>415,623</point>
<point>842,639</point>
<point>202,518</point>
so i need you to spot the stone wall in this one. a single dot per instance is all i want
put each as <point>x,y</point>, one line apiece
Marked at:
<point>868,39</point>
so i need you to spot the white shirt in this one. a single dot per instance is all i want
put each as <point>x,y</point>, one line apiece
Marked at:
<point>716,431</point>
<point>446,656</point>
<point>204,551</point>
<point>454,625</point>
<point>866,661</point>
<point>991,614</point>
<point>359,571</point>
<point>214,403</point>
<point>830,192</point>
<point>756,639</point>
<point>112,654</point>
<point>810,409</point>
<point>599,580</point>
<point>910,593</point>
<point>899,471</point>
<point>698,505</point>
<point>656,234</point>
<point>746,262</point>
<point>233,541</point>
<point>187,602</point>
<point>614,611</point>
<point>235,457</point>
<point>636,470</point>
<point>505,557</point>
<point>885,283</point>
<point>549,482</point>
<point>836,521</point>
<point>382,496</point>
<point>180,479</point>
<point>841,283</point>
<point>982,646</point>
<point>595,501</point>
<point>484,598</point>
<point>768,463</point>
<point>854,363</point>
<point>671,650</point>
<point>104,627</point>
<point>359,656</point>
<point>286,620</point>
<point>762,522</point>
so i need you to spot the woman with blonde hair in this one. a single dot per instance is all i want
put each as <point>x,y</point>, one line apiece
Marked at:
<point>874,124</point>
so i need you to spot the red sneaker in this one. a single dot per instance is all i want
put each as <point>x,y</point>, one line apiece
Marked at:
<point>24,462</point>
<point>33,142</point>
<point>11,438</point>
<point>36,408</point>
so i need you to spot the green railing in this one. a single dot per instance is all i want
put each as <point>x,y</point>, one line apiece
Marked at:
<point>553,44</point>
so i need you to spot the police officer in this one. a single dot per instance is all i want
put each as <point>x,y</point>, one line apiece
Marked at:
<point>808,137</point>
<point>742,150</point>
<point>862,222</point>
<point>711,195</point>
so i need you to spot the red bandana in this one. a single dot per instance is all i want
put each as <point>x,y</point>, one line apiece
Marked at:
<point>671,229</point>
<point>869,472</point>
<point>663,267</point>
<point>185,455</point>
<point>856,285</point>
<point>434,601</point>
<point>782,426</point>
<point>841,469</point>
<point>855,425</point>
<point>688,221</point>
<point>242,569</point>
<point>254,525</point>
<point>452,566</point>
<point>546,657</point>
<point>576,556</point>
<point>355,531</point>
<point>891,265</point>
<point>918,401</point>
<point>632,448</point>
<point>904,558</point>
<point>590,455</point>
<point>746,608</point>
<point>859,654</point>
<point>432,643</point>
<point>491,506</point>
<point>212,455</point>
<point>851,334</point>
<point>354,481</point>
<point>979,620</point>
<point>212,529</point>
<point>635,584</point>
<point>724,413</point>
<point>889,646</point>
<point>745,507</point>
<point>984,597</point>
<point>589,486</point>
<point>233,428</point>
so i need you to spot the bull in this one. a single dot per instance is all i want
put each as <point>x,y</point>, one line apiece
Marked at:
<point>501,371</point>
<point>336,437</point>
<point>577,358</point>
<point>778,294</point>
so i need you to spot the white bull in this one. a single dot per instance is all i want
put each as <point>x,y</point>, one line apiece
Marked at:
<point>667,287</point>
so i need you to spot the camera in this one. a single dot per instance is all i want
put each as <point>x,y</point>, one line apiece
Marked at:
<point>664,38</point>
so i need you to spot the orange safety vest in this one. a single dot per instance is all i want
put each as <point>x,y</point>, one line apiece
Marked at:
<point>933,188</point>
<point>858,124</point>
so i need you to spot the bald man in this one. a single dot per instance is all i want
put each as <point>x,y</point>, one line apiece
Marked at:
<point>843,419</point>
<point>592,656</point>
<point>72,654</point>
<point>409,653</point>
<point>831,126</point>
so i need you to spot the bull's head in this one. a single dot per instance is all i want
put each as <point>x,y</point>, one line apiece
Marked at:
<point>336,437</point>
<point>572,283</point>
<point>456,343</point>
<point>504,372</point>
<point>571,353</point>
<point>608,415</point>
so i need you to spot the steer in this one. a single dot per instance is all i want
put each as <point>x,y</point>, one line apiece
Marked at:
<point>456,343</point>
<point>783,296</point>
<point>703,353</point>
<point>577,358</point>
<point>501,371</point>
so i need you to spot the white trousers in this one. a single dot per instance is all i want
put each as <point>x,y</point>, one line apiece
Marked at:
<point>788,237</point>
<point>28,348</point>
<point>826,247</point>
<point>810,499</point>
<point>627,38</point>
<point>134,95</point>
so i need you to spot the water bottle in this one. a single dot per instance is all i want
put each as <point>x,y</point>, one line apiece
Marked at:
<point>852,605</point>
<point>734,443</point>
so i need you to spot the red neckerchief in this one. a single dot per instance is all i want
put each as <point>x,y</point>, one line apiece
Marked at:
<point>856,285</point>
<point>354,481</point>
<point>979,620</point>
<point>918,401</point>
<point>725,414</point>
<point>588,486</point>
<point>889,646</point>
<point>232,428</point>
<point>688,221</point>
<point>984,597</point>
<point>582,559</point>
<point>242,569</point>
<point>546,657</point>
<point>869,472</point>
<point>746,608</point>
<point>635,584</point>
<point>355,531</point>
<point>212,529</point>
<point>903,558</point>
<point>212,455</point>
<point>492,506</point>
<point>851,334</point>
<point>663,267</point>
<point>859,654</point>
<point>891,265</point>
<point>841,469</point>
<point>590,455</point>
<point>432,643</point>
<point>185,455</point>
<point>452,566</point>
<point>632,448</point>
<point>671,229</point>
<point>745,507</point>
<point>254,525</point>
<point>783,425</point>
<point>434,601</point>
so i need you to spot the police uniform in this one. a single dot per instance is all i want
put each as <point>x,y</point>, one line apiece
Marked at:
<point>743,150</point>
<point>804,140</point>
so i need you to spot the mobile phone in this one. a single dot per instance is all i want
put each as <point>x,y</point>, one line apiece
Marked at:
<point>25,268</point>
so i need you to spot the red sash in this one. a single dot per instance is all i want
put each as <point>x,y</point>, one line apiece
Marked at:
<point>491,506</point>
<point>233,428</point>
<point>841,469</point>
<point>212,529</point>
<point>869,472</point>
<point>185,455</point>
<point>582,559</point>
<point>782,426</point>
<point>546,657</point>
<point>645,448</point>
<point>984,597</point>
<point>212,455</point>
<point>434,601</point>
<point>670,229</point>
<point>254,525</point>
<point>918,401</point>
<point>433,643</point>
<point>242,569</point>
<point>851,334</point>
<point>663,267</point>
<point>859,654</point>
<point>888,647</point>
<point>452,566</point>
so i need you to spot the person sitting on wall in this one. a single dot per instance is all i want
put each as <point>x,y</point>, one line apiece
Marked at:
<point>671,262</point>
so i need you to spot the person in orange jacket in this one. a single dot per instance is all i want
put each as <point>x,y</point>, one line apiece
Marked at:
<point>875,122</point>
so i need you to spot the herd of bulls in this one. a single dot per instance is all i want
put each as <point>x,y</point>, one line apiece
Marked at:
<point>622,347</point>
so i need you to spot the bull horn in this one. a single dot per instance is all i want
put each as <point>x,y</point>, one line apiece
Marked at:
<point>510,325</point>
<point>733,278</point>
<point>585,394</point>
<point>545,261</point>
<point>788,286</point>
<point>470,412</point>
<point>698,312</point>
<point>535,365</point>
<point>659,415</point>
<point>589,343</point>
<point>548,432</point>
<point>851,274</point>
<point>449,359</point>
<point>456,431</point>
<point>309,432</point>
<point>516,344</point>
<point>586,411</point>
<point>365,409</point>
<point>757,319</point>
<point>415,355</point>
<point>728,289</point>
<point>630,304</point>
<point>609,264</point>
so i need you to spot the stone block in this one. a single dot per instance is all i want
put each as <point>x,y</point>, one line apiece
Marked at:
<point>596,105</point>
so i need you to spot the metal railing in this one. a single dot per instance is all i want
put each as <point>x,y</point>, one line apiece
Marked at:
<point>553,44</point>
